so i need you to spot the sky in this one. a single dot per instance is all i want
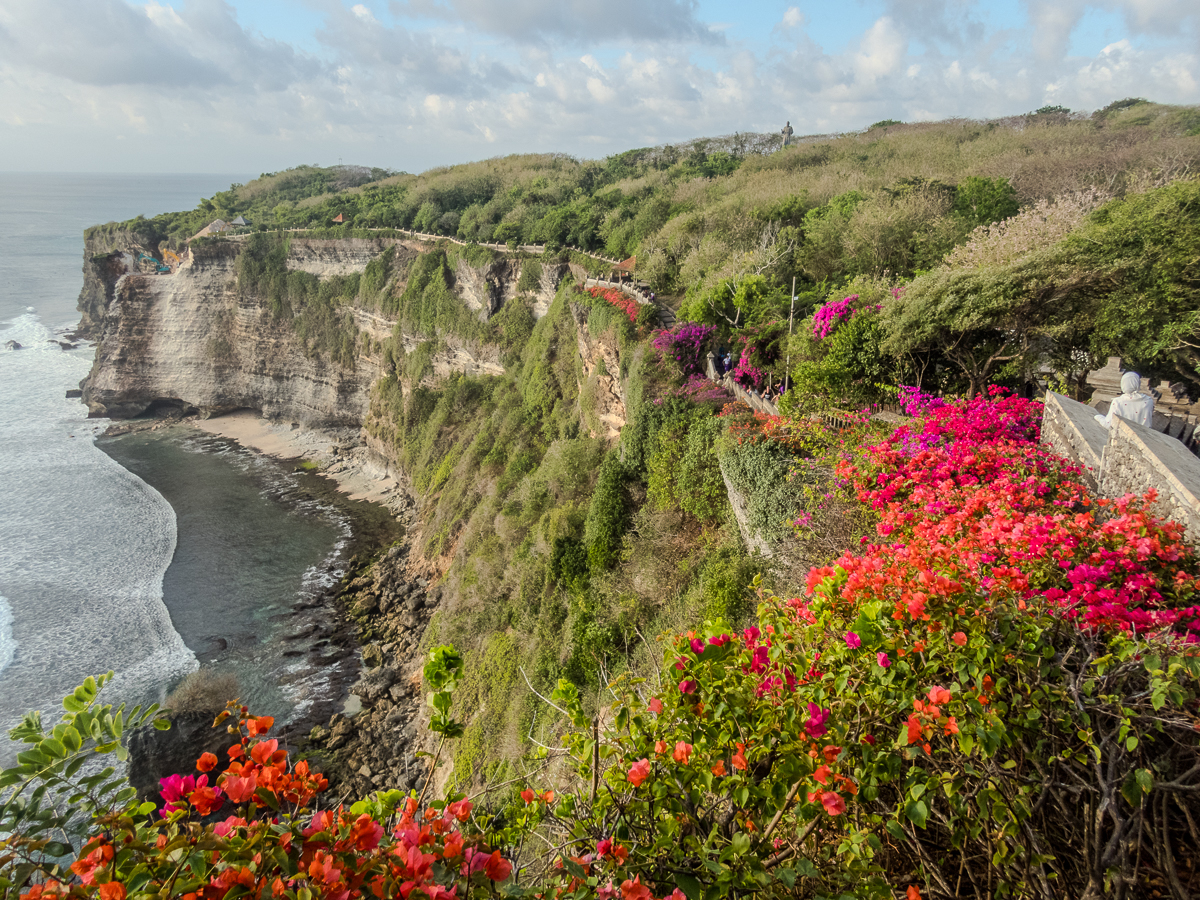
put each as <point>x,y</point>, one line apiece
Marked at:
<point>263,85</point>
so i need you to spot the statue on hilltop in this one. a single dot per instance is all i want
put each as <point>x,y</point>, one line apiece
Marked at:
<point>787,133</point>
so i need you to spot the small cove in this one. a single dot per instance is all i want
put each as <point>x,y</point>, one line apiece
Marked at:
<point>259,552</point>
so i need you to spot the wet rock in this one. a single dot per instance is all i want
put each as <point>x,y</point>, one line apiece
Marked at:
<point>372,656</point>
<point>12,345</point>
<point>74,394</point>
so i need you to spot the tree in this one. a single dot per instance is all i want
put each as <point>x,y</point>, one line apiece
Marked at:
<point>982,201</point>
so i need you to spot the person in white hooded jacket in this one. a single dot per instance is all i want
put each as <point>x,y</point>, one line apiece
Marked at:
<point>1133,404</point>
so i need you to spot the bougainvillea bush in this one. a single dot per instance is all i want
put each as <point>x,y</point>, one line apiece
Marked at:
<point>995,695</point>
<point>619,299</point>
<point>687,344</point>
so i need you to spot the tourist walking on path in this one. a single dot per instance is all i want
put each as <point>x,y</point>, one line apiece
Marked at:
<point>1133,404</point>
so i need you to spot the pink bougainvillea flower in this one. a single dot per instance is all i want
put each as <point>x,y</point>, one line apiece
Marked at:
<point>697,645</point>
<point>882,659</point>
<point>833,803</point>
<point>853,641</point>
<point>688,686</point>
<point>815,726</point>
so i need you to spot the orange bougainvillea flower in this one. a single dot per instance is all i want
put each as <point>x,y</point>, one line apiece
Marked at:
<point>207,762</point>
<point>719,768</point>
<point>639,772</point>
<point>822,774</point>
<point>114,890</point>
<point>913,893</point>
<point>683,752</point>
<point>959,638</point>
<point>660,746</point>
<point>528,796</point>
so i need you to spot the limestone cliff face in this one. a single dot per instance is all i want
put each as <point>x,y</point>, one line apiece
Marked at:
<point>190,340</point>
<point>602,396</point>
<point>193,340</point>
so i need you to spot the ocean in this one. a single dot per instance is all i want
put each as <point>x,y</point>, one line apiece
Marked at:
<point>148,554</point>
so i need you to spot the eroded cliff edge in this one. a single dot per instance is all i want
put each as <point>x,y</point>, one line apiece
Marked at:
<point>197,339</point>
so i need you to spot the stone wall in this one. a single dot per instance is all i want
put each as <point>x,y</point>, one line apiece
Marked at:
<point>1127,459</point>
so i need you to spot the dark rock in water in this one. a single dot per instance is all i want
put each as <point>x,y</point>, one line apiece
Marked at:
<point>11,345</point>
<point>154,754</point>
<point>66,345</point>
<point>74,393</point>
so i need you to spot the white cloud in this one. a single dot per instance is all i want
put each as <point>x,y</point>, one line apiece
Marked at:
<point>191,88</point>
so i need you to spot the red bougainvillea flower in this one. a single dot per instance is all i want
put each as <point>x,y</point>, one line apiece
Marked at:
<point>822,774</point>
<point>959,638</point>
<point>655,706</point>
<point>497,867</point>
<point>939,695</point>
<point>528,796</point>
<point>635,890</point>
<point>833,803</point>
<point>683,752</point>
<point>85,867</point>
<point>460,809</point>
<point>739,758</point>
<point>639,772</point>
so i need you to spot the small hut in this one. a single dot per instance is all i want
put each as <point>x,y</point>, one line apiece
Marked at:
<point>240,222</point>
<point>624,270</point>
<point>339,218</point>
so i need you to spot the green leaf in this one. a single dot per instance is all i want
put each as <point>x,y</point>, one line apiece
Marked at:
<point>741,843</point>
<point>690,885</point>
<point>1145,780</point>
<point>917,812</point>
<point>1131,743</point>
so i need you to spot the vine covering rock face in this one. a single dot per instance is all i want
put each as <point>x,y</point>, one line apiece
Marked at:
<point>928,718</point>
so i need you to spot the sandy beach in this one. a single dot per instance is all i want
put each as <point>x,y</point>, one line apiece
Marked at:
<point>360,473</point>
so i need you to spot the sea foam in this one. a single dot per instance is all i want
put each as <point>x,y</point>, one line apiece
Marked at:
<point>83,543</point>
